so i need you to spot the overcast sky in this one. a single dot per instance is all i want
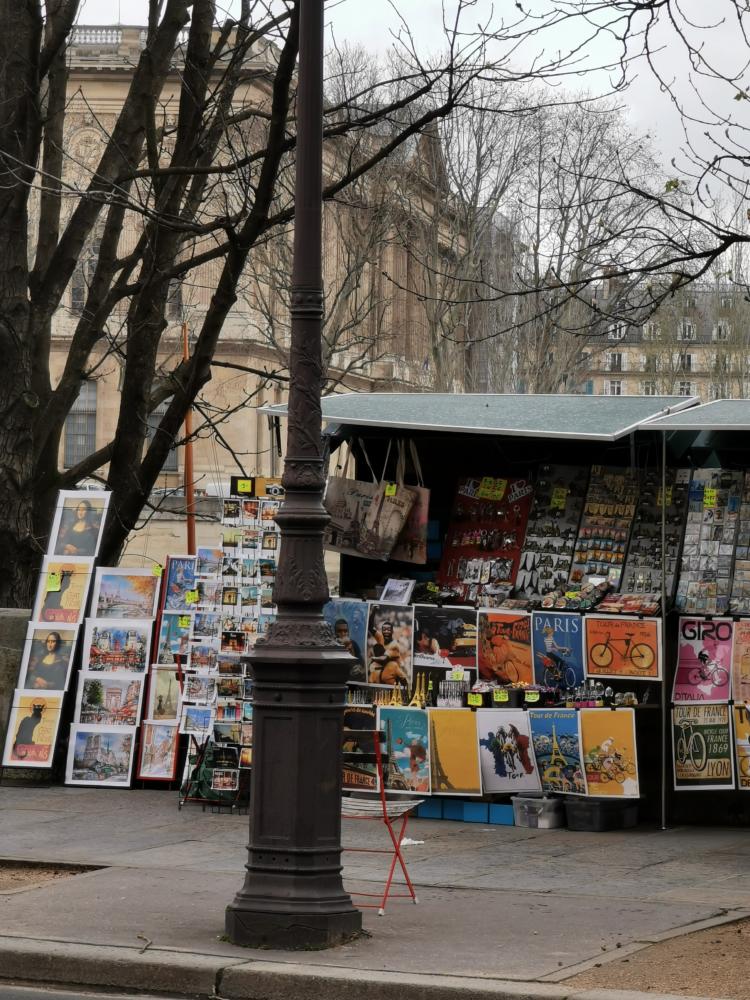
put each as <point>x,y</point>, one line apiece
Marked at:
<point>370,23</point>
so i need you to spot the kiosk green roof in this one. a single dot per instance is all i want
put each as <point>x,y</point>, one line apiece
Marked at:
<point>721,415</point>
<point>593,418</point>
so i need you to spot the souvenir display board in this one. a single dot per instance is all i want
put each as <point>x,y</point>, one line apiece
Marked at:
<point>608,514</point>
<point>485,539</point>
<point>706,569</point>
<point>642,573</point>
<point>547,555</point>
<point>703,748</point>
<point>739,602</point>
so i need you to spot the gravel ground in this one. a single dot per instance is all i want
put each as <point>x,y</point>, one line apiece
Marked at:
<point>709,963</point>
<point>25,876</point>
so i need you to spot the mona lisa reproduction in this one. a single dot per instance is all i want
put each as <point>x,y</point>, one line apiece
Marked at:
<point>79,522</point>
<point>47,657</point>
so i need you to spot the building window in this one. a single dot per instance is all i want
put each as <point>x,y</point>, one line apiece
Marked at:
<point>613,387</point>
<point>721,331</point>
<point>726,302</point>
<point>685,389</point>
<point>649,388</point>
<point>588,387</point>
<point>686,330</point>
<point>80,427</point>
<point>616,331</point>
<point>685,362</point>
<point>154,419</point>
<point>720,390</point>
<point>614,362</point>
<point>651,331</point>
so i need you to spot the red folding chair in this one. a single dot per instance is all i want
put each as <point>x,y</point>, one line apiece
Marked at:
<point>393,813</point>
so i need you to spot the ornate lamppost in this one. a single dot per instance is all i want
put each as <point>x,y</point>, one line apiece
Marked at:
<point>293,896</point>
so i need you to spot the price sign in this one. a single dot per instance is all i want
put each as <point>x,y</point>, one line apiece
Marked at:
<point>391,489</point>
<point>184,621</point>
<point>492,489</point>
<point>500,696</point>
<point>475,700</point>
<point>54,581</point>
<point>191,597</point>
<point>457,674</point>
<point>433,588</point>
<point>157,569</point>
<point>709,497</point>
<point>245,486</point>
<point>531,697</point>
<point>668,496</point>
<point>559,498</point>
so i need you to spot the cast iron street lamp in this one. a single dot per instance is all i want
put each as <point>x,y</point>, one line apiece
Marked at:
<point>293,896</point>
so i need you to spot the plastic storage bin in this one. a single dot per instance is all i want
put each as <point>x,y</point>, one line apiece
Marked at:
<point>542,812</point>
<point>597,815</point>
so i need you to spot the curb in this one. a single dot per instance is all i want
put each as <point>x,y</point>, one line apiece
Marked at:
<point>213,976</point>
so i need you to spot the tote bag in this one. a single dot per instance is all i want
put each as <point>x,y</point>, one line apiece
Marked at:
<point>411,544</point>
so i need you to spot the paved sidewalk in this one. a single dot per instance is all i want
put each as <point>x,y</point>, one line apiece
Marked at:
<point>502,906</point>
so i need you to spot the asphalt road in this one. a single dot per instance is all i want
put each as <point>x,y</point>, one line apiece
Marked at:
<point>10,992</point>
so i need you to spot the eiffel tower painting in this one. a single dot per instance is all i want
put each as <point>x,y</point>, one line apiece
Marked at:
<point>439,778</point>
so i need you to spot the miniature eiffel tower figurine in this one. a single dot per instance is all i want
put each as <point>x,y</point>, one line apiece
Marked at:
<point>396,698</point>
<point>419,696</point>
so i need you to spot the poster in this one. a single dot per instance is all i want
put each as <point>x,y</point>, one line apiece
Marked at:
<point>623,646</point>
<point>390,630</point>
<point>704,659</point>
<point>174,638</point>
<point>454,752</point>
<point>482,551</point>
<point>504,652</point>
<point>179,587</point>
<point>557,646</point>
<point>407,746</point>
<point>358,776</point>
<point>445,637</point>
<point>164,697</point>
<point>78,523</point>
<point>742,745</point>
<point>32,729</point>
<point>98,756</point>
<point>116,645</point>
<point>741,661</point>
<point>62,591</point>
<point>124,593</point>
<point>702,747</point>
<point>106,699</point>
<point>609,752</point>
<point>47,658</point>
<point>557,749</point>
<point>348,619</point>
<point>158,760</point>
<point>505,751</point>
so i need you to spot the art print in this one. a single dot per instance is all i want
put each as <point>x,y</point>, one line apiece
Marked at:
<point>111,645</point>
<point>390,629</point>
<point>231,511</point>
<point>174,638</point>
<point>232,642</point>
<point>397,591</point>
<point>407,747</point>
<point>250,511</point>
<point>454,752</point>
<point>204,655</point>
<point>557,748</point>
<point>180,583</point>
<point>197,721</point>
<point>208,561</point>
<point>158,760</point>
<point>124,593</point>
<point>741,661</point>
<point>206,625</point>
<point>106,699</point>
<point>225,780</point>
<point>557,647</point>
<point>101,757</point>
<point>199,689</point>
<point>506,752</point>
<point>227,732</point>
<point>623,646</point>
<point>79,522</point>
<point>229,711</point>
<point>609,752</point>
<point>704,659</point>
<point>32,729</point>
<point>741,715</point>
<point>62,590</point>
<point>702,746</point>
<point>47,658</point>
<point>164,696</point>
<point>359,720</point>
<point>504,651</point>
<point>348,619</point>
<point>246,756</point>
<point>445,637</point>
<point>208,591</point>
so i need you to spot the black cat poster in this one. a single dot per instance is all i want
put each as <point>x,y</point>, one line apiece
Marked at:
<point>32,730</point>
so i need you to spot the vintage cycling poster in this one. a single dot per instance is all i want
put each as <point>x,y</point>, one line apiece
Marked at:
<point>623,646</point>
<point>504,651</point>
<point>359,776</point>
<point>454,753</point>
<point>704,659</point>
<point>557,646</point>
<point>609,751</point>
<point>32,729</point>
<point>742,745</point>
<point>741,661</point>
<point>506,753</point>
<point>556,737</point>
<point>390,629</point>
<point>445,637</point>
<point>407,745</point>
<point>702,747</point>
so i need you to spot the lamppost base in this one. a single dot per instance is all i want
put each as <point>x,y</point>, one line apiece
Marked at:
<point>291,931</point>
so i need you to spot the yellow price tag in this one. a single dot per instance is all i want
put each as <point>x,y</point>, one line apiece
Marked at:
<point>668,496</point>
<point>532,697</point>
<point>157,569</point>
<point>54,581</point>
<point>492,489</point>
<point>559,498</point>
<point>244,486</point>
<point>709,497</point>
<point>457,674</point>
<point>184,621</point>
<point>500,695</point>
<point>191,597</point>
<point>475,700</point>
<point>391,489</point>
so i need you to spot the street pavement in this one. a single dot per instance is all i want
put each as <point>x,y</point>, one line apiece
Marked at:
<point>496,904</point>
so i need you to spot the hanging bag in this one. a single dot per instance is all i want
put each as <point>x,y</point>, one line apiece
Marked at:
<point>346,501</point>
<point>385,517</point>
<point>411,545</point>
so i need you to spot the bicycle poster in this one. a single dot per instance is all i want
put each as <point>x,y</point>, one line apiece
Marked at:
<point>742,745</point>
<point>702,747</point>
<point>504,651</point>
<point>557,647</point>
<point>609,752</point>
<point>623,646</point>
<point>741,661</point>
<point>704,660</point>
<point>506,753</point>
<point>556,737</point>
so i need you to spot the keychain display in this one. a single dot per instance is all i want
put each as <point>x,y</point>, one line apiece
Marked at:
<point>642,574</point>
<point>607,518</point>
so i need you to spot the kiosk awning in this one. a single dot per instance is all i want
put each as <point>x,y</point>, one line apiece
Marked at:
<point>592,418</point>
<point>721,415</point>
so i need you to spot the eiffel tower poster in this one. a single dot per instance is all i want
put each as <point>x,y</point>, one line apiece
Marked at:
<point>556,737</point>
<point>454,752</point>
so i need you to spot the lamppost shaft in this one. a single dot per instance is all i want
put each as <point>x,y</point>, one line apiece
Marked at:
<point>293,895</point>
